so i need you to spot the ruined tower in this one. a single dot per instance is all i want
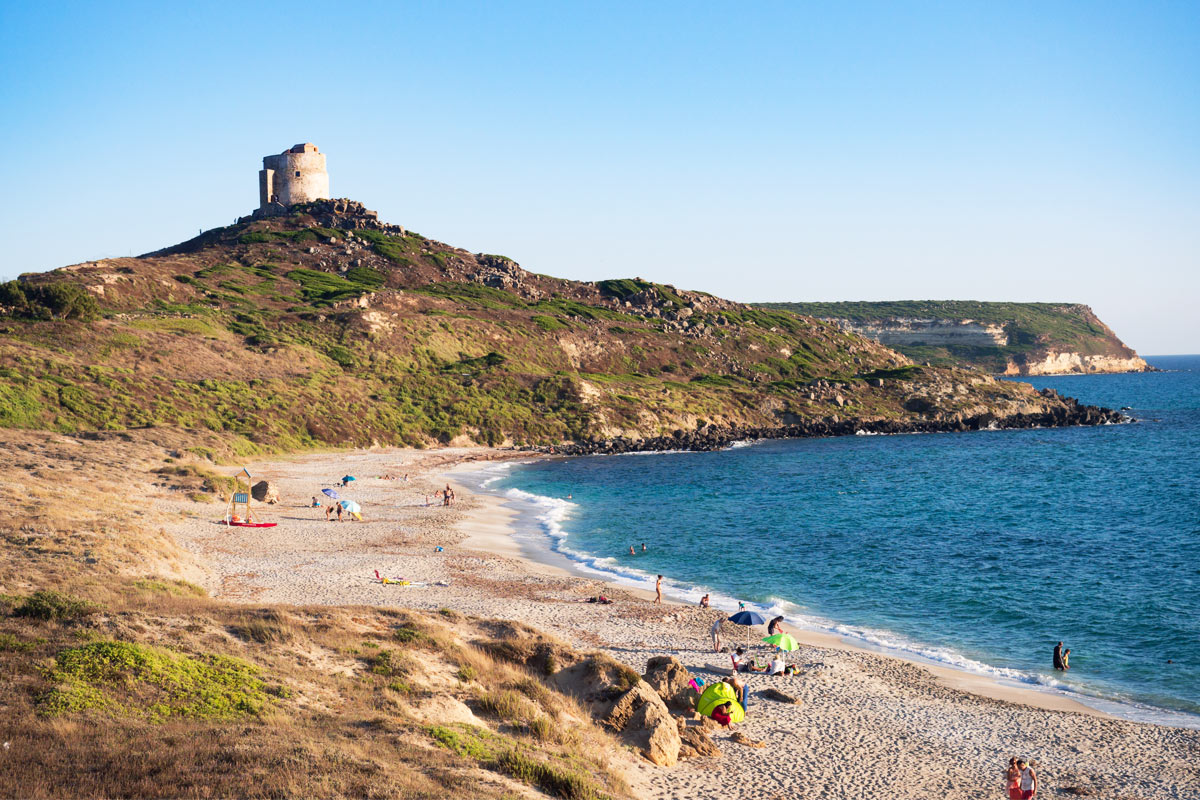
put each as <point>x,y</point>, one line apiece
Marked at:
<point>294,176</point>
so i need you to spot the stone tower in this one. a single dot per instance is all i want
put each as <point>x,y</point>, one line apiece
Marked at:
<point>294,176</point>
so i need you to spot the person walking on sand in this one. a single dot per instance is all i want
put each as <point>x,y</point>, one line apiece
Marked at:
<point>715,632</point>
<point>1028,780</point>
<point>1012,780</point>
<point>658,590</point>
<point>1058,660</point>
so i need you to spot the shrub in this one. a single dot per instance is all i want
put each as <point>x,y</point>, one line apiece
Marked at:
<point>51,605</point>
<point>151,682</point>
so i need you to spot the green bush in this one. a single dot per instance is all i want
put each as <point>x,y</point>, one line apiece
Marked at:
<point>151,682</point>
<point>51,605</point>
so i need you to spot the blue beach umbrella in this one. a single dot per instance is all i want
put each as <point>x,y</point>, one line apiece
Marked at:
<point>348,478</point>
<point>351,506</point>
<point>330,493</point>
<point>749,619</point>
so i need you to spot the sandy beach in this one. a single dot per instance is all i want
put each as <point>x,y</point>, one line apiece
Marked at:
<point>868,725</point>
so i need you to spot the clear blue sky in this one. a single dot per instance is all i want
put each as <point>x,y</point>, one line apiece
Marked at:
<point>856,151</point>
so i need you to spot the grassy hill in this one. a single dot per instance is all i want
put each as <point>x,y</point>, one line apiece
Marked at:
<point>328,328</point>
<point>1027,333</point>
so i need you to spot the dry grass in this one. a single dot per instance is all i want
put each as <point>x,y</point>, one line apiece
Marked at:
<point>332,702</point>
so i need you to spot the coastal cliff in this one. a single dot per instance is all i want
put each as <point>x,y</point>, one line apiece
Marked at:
<point>1002,338</point>
<point>328,327</point>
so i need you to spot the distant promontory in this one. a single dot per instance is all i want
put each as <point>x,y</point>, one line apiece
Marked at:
<point>1001,338</point>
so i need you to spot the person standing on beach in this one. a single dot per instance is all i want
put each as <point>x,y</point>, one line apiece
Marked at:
<point>658,590</point>
<point>1028,780</point>
<point>775,626</point>
<point>1012,780</point>
<point>715,632</point>
<point>1058,660</point>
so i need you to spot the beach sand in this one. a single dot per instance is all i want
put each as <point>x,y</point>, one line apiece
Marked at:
<point>867,726</point>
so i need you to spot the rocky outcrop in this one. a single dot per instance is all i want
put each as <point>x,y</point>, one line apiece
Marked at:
<point>1073,363</point>
<point>625,704</point>
<point>901,332</point>
<point>695,742</point>
<point>671,679</point>
<point>1063,412</point>
<point>265,492</point>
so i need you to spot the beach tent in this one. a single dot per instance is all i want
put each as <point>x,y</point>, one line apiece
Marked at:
<point>749,619</point>
<point>330,493</point>
<point>719,693</point>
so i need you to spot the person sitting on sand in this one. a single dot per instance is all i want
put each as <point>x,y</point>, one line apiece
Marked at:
<point>739,686</point>
<point>704,601</point>
<point>1028,780</point>
<point>777,665</point>
<point>721,715</point>
<point>1012,780</point>
<point>737,658</point>
<point>315,502</point>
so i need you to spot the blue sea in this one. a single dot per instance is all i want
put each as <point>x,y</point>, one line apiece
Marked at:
<point>975,550</point>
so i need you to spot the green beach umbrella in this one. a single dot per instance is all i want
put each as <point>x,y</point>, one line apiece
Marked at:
<point>783,641</point>
<point>717,694</point>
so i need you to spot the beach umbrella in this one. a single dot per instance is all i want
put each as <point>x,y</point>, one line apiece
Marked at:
<point>348,478</point>
<point>749,619</point>
<point>717,694</point>
<point>330,493</point>
<point>783,641</point>
<point>351,506</point>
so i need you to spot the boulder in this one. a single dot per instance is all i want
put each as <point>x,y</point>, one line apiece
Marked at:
<point>695,743</point>
<point>652,730</point>
<point>667,676</point>
<point>629,703</point>
<point>265,492</point>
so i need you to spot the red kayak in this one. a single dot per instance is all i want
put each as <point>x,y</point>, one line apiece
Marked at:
<point>251,524</point>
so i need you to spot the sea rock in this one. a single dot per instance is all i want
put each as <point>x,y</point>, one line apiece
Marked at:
<point>667,676</point>
<point>265,492</point>
<point>695,743</point>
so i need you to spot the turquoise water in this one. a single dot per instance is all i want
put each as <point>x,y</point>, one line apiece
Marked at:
<point>979,550</point>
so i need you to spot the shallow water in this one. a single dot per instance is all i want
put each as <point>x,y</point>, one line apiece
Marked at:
<point>979,550</point>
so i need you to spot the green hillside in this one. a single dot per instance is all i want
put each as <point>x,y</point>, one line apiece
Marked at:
<point>327,328</point>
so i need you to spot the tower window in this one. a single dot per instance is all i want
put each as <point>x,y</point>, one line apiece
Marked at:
<point>297,173</point>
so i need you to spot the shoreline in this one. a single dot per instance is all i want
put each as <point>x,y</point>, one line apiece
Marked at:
<point>486,534</point>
